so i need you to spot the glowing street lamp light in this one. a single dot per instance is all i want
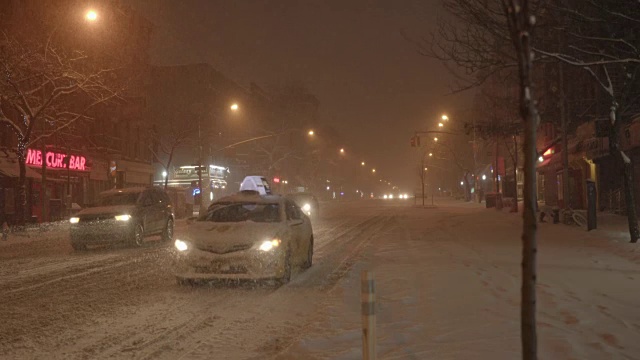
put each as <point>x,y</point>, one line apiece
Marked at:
<point>311,133</point>
<point>373,171</point>
<point>91,15</point>
<point>445,117</point>
<point>342,151</point>
<point>440,124</point>
<point>164,174</point>
<point>362,163</point>
<point>435,139</point>
<point>430,154</point>
<point>234,107</point>
<point>425,169</point>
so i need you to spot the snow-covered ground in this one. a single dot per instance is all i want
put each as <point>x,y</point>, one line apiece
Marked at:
<point>448,283</point>
<point>447,288</point>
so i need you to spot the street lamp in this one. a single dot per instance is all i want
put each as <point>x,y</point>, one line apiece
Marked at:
<point>311,133</point>
<point>234,107</point>
<point>91,15</point>
<point>445,117</point>
<point>373,171</point>
<point>362,163</point>
<point>440,124</point>
<point>435,139</point>
<point>164,174</point>
<point>425,169</point>
<point>342,151</point>
<point>430,154</point>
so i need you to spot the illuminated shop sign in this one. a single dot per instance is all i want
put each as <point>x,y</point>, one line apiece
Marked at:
<point>56,160</point>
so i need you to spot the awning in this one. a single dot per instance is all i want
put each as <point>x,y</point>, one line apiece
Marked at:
<point>10,168</point>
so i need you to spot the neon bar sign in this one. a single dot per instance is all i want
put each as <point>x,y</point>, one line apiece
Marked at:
<point>56,160</point>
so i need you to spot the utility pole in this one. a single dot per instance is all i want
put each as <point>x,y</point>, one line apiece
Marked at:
<point>199,168</point>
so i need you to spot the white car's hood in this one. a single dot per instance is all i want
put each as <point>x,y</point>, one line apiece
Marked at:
<point>107,210</point>
<point>227,237</point>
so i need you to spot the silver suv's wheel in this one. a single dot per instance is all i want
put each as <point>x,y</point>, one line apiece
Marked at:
<point>167,234</point>
<point>138,235</point>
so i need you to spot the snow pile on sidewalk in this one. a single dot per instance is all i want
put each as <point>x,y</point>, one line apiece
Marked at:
<point>448,287</point>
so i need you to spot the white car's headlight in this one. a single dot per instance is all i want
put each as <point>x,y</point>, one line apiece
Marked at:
<point>123,217</point>
<point>306,207</point>
<point>74,220</point>
<point>181,245</point>
<point>268,245</point>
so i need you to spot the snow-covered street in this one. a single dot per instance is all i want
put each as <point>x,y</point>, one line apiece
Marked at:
<point>447,288</point>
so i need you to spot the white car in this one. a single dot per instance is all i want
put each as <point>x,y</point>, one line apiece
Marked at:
<point>246,236</point>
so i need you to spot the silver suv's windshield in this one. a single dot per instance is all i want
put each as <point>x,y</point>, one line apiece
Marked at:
<point>239,212</point>
<point>118,199</point>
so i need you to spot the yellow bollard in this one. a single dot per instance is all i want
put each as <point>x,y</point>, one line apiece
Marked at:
<point>368,302</point>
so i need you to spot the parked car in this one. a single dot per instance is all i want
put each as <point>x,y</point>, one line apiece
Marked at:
<point>124,215</point>
<point>246,236</point>
<point>307,202</point>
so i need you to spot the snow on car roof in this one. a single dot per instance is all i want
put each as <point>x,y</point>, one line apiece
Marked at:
<point>250,197</point>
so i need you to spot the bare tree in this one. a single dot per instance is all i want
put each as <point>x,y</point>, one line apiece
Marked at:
<point>521,21</point>
<point>598,39</point>
<point>165,141</point>
<point>40,84</point>
<point>483,38</point>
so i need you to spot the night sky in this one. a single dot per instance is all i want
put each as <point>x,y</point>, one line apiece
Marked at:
<point>372,84</point>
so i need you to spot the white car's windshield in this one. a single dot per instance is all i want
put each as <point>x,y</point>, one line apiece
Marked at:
<point>238,212</point>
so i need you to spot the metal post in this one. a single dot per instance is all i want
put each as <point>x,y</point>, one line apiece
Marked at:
<point>368,302</point>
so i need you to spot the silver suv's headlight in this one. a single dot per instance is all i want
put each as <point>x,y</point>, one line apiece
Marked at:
<point>123,217</point>
<point>74,220</point>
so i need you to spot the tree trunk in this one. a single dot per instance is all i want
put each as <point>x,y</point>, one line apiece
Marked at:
<point>627,167</point>
<point>496,184</point>
<point>23,211</point>
<point>515,174</point>
<point>566,196</point>
<point>632,217</point>
<point>422,175</point>
<point>467,188</point>
<point>43,182</point>
<point>521,22</point>
<point>166,178</point>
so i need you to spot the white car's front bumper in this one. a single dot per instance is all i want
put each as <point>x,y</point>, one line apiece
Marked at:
<point>196,264</point>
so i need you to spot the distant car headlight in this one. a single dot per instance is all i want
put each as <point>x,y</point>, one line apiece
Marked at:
<point>74,220</point>
<point>181,245</point>
<point>386,196</point>
<point>268,245</point>
<point>306,207</point>
<point>123,217</point>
